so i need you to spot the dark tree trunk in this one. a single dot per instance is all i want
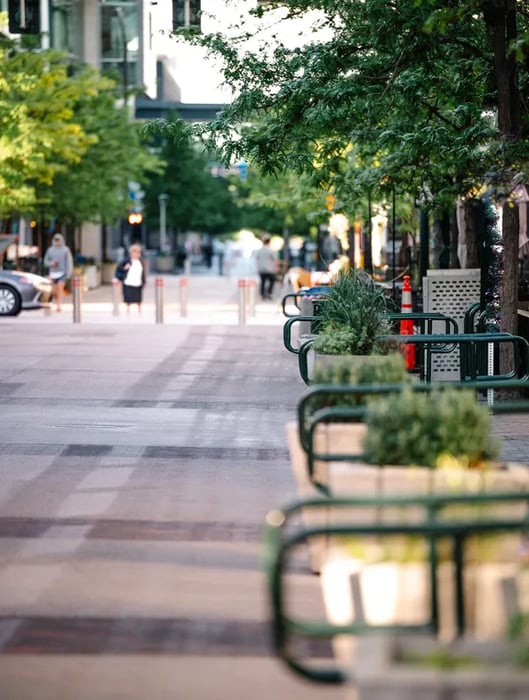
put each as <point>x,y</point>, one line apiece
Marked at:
<point>500,16</point>
<point>454,237</point>
<point>509,295</point>
<point>471,234</point>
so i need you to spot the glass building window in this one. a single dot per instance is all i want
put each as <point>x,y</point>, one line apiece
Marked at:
<point>186,13</point>
<point>120,40</point>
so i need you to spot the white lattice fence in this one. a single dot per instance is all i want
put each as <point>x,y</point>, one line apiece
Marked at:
<point>450,292</point>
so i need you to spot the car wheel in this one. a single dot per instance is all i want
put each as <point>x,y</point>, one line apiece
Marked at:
<point>10,302</point>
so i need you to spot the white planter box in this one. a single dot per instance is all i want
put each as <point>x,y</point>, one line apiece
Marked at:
<point>384,671</point>
<point>92,276</point>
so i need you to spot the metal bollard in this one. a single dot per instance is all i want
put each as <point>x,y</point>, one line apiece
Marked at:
<point>184,293</point>
<point>116,293</point>
<point>252,293</point>
<point>76,298</point>
<point>158,299</point>
<point>243,289</point>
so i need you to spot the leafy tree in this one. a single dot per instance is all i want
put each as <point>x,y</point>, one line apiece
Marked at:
<point>425,93</point>
<point>96,189</point>
<point>39,137</point>
<point>197,201</point>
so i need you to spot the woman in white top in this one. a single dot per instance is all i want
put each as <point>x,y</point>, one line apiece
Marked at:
<point>132,274</point>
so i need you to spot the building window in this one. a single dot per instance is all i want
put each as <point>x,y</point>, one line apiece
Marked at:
<point>186,13</point>
<point>120,40</point>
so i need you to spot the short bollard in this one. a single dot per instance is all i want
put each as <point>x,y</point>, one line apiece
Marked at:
<point>76,298</point>
<point>252,293</point>
<point>243,290</point>
<point>158,299</point>
<point>116,291</point>
<point>184,290</point>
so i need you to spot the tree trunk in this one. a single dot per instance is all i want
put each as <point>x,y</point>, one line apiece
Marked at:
<point>454,238</point>
<point>471,234</point>
<point>500,16</point>
<point>509,295</point>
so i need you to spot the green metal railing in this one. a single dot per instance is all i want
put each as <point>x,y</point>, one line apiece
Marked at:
<point>469,346</point>
<point>425,322</point>
<point>284,533</point>
<point>318,406</point>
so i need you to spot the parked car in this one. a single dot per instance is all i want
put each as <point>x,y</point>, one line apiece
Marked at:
<point>23,290</point>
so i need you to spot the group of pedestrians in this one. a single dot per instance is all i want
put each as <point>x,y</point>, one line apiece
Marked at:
<point>131,271</point>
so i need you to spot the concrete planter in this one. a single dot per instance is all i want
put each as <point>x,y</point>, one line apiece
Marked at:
<point>344,438</point>
<point>392,576</point>
<point>164,263</point>
<point>385,670</point>
<point>108,271</point>
<point>93,276</point>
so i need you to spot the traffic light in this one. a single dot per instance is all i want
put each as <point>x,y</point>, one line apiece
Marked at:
<point>135,218</point>
<point>24,16</point>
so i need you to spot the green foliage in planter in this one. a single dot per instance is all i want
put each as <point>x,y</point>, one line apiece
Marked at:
<point>354,317</point>
<point>371,369</point>
<point>420,429</point>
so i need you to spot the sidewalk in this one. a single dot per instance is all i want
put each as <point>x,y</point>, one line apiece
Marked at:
<point>211,299</point>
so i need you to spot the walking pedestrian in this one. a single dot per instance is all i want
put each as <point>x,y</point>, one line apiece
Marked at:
<point>266,260</point>
<point>133,275</point>
<point>58,258</point>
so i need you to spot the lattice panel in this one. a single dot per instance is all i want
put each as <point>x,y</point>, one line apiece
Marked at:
<point>450,292</point>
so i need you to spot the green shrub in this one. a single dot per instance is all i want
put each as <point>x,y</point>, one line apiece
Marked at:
<point>413,428</point>
<point>354,317</point>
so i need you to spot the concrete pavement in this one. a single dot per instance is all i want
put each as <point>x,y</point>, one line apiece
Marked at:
<point>137,463</point>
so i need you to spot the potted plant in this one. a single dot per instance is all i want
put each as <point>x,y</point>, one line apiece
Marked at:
<point>424,443</point>
<point>354,318</point>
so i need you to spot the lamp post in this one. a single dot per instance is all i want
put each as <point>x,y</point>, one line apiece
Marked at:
<point>118,12</point>
<point>162,200</point>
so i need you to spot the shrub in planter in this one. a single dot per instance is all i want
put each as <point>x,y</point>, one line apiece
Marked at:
<point>354,317</point>
<point>372,369</point>
<point>411,428</point>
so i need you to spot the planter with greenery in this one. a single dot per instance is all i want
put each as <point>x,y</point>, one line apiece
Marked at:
<point>354,318</point>
<point>420,444</point>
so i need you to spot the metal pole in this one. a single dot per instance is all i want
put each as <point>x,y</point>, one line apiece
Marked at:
<point>368,253</point>
<point>158,299</point>
<point>116,293</point>
<point>76,295</point>
<point>162,200</point>
<point>184,293</point>
<point>424,244</point>
<point>490,372</point>
<point>252,293</point>
<point>243,288</point>
<point>394,235</point>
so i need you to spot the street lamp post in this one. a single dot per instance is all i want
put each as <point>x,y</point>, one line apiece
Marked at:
<point>162,200</point>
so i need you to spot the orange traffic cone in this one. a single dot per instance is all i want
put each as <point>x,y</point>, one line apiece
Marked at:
<point>406,325</point>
